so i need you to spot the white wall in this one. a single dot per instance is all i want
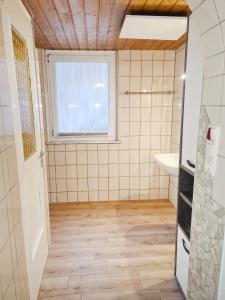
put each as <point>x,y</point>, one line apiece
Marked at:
<point>124,170</point>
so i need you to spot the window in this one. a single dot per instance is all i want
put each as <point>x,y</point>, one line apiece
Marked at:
<point>82,96</point>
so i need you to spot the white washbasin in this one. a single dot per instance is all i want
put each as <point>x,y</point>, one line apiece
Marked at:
<point>169,162</point>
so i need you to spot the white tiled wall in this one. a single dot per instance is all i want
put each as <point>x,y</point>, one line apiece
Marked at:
<point>13,278</point>
<point>213,97</point>
<point>176,116</point>
<point>124,170</point>
<point>209,15</point>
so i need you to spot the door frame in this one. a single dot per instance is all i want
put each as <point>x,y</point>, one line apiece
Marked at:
<point>10,8</point>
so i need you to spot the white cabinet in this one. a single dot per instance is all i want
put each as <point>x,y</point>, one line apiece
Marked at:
<point>183,247</point>
<point>193,94</point>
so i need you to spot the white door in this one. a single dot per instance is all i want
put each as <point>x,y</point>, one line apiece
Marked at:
<point>18,36</point>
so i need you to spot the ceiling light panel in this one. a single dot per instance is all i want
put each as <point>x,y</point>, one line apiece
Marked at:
<point>153,27</point>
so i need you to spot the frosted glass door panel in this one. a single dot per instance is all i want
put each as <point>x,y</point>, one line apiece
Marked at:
<point>24,93</point>
<point>82,97</point>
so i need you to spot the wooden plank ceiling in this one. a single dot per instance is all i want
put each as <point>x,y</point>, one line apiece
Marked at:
<point>96,24</point>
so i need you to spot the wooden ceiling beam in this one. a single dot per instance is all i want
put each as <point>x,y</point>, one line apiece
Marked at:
<point>151,6</point>
<point>42,41</point>
<point>65,17</point>
<point>165,45</point>
<point>138,44</point>
<point>137,5</point>
<point>92,21</point>
<point>42,22</point>
<point>79,20</point>
<point>120,44</point>
<point>105,13</point>
<point>148,44</point>
<point>180,7</point>
<point>157,44</point>
<point>117,16</point>
<point>128,44</point>
<point>49,10</point>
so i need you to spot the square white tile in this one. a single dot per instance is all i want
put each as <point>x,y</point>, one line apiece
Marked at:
<point>60,158</point>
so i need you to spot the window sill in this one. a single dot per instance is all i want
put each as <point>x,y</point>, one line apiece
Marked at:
<point>82,142</point>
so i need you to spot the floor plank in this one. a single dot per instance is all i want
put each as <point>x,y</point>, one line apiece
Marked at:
<point>111,251</point>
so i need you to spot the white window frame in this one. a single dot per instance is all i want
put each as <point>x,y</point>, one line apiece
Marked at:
<point>52,56</point>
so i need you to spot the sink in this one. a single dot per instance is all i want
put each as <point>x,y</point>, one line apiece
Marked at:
<point>168,162</point>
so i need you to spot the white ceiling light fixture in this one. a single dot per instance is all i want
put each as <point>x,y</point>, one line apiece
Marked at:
<point>153,27</point>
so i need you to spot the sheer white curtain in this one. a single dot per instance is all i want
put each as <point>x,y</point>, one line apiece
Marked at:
<point>82,97</point>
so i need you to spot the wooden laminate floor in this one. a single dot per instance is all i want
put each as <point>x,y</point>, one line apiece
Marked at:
<point>111,250</point>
